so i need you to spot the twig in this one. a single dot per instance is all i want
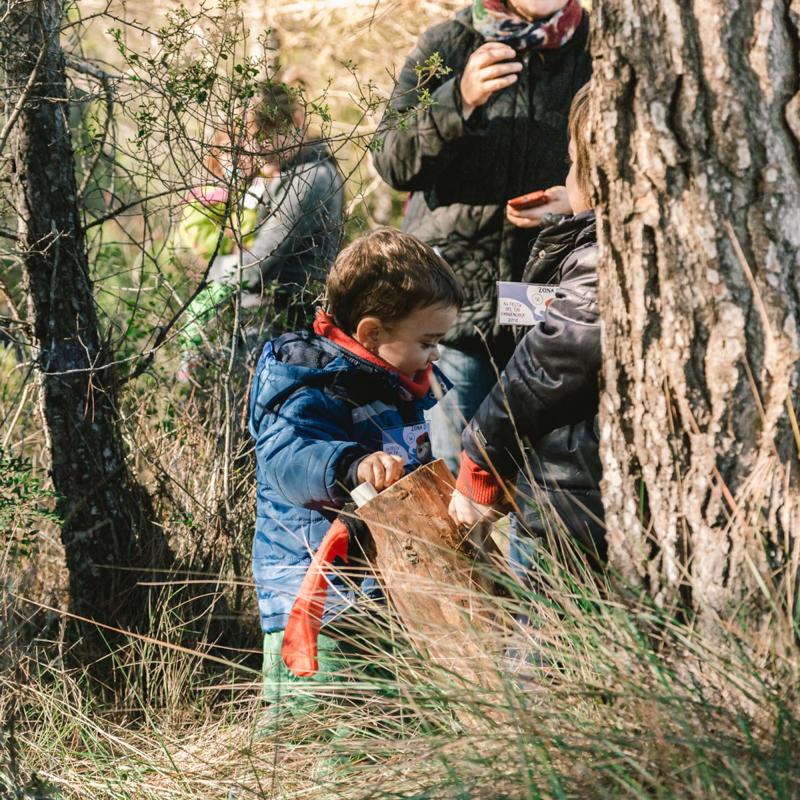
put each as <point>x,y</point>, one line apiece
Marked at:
<point>105,78</point>
<point>126,207</point>
<point>13,423</point>
<point>141,637</point>
<point>164,330</point>
<point>793,421</point>
<point>86,68</point>
<point>765,321</point>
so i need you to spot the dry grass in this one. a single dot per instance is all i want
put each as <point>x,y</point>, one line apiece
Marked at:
<point>626,702</point>
<point>621,701</point>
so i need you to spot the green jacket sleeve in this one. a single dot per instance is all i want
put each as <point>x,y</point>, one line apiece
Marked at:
<point>201,311</point>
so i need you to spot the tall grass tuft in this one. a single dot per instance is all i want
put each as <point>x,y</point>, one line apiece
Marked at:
<point>594,693</point>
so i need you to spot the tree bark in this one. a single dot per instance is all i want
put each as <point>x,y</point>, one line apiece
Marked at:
<point>697,147</point>
<point>106,515</point>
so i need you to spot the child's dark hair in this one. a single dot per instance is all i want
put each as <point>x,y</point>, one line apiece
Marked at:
<point>388,275</point>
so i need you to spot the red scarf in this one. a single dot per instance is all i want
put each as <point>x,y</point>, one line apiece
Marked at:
<point>496,21</point>
<point>418,386</point>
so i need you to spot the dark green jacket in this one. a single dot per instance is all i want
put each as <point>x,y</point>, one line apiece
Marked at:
<point>462,173</point>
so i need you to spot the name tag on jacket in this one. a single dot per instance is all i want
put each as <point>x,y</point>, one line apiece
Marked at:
<point>412,443</point>
<point>523,303</point>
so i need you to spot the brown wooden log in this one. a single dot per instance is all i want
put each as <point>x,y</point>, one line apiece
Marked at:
<point>428,569</point>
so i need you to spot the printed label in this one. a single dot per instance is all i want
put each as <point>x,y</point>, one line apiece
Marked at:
<point>523,303</point>
<point>412,443</point>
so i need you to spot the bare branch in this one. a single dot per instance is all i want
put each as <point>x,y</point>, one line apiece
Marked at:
<point>86,68</point>
<point>126,207</point>
<point>105,78</point>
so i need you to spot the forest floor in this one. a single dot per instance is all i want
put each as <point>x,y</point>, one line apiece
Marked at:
<point>602,697</point>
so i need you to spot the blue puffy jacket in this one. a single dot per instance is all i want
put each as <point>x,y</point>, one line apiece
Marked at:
<point>316,409</point>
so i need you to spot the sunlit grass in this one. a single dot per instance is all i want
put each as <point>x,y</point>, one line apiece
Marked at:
<point>609,699</point>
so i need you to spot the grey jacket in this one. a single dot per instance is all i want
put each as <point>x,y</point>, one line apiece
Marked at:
<point>298,229</point>
<point>462,173</point>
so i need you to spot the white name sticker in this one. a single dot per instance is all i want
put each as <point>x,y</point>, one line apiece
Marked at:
<point>412,443</point>
<point>523,303</point>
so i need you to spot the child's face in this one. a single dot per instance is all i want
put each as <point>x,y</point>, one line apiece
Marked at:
<point>577,199</point>
<point>278,144</point>
<point>411,344</point>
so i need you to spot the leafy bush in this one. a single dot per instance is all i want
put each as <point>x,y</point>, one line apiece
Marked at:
<point>24,505</point>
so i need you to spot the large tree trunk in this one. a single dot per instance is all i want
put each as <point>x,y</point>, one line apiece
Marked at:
<point>696,141</point>
<point>104,511</point>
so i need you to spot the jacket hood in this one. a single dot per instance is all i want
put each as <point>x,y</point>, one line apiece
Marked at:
<point>464,17</point>
<point>310,152</point>
<point>559,237</point>
<point>289,363</point>
<point>418,386</point>
<point>310,358</point>
<point>563,226</point>
<point>588,227</point>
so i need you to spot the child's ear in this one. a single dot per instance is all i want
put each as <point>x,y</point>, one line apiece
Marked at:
<point>368,333</point>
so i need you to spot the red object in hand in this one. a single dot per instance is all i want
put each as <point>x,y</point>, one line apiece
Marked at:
<point>530,200</point>
<point>299,648</point>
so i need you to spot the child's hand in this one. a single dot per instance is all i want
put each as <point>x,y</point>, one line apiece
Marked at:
<point>532,217</point>
<point>467,512</point>
<point>488,71</point>
<point>381,470</point>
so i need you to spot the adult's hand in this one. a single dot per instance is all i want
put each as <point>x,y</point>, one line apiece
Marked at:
<point>380,469</point>
<point>488,70</point>
<point>532,217</point>
<point>467,512</point>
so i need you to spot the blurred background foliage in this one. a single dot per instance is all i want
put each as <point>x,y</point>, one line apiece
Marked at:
<point>152,88</point>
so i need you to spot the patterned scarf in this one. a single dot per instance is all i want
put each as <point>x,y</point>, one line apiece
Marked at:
<point>497,22</point>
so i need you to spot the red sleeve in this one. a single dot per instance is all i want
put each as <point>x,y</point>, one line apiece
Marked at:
<point>476,483</point>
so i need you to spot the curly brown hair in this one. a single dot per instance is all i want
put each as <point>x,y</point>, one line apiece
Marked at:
<point>388,274</point>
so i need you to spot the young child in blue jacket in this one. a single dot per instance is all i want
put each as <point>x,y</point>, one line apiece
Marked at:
<point>334,407</point>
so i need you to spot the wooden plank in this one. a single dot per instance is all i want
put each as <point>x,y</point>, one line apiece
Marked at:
<point>428,569</point>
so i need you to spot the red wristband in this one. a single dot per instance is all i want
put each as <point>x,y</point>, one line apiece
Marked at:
<point>476,483</point>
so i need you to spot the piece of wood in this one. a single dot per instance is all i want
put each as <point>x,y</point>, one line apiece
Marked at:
<point>428,569</point>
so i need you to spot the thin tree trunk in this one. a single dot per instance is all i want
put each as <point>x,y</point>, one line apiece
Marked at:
<point>104,511</point>
<point>696,131</point>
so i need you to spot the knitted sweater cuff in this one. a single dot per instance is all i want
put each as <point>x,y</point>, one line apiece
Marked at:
<point>476,483</point>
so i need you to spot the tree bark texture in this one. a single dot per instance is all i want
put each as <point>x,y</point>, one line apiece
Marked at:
<point>103,509</point>
<point>696,138</point>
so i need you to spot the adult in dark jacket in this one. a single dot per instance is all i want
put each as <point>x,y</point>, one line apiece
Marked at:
<point>496,128</point>
<point>539,423</point>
